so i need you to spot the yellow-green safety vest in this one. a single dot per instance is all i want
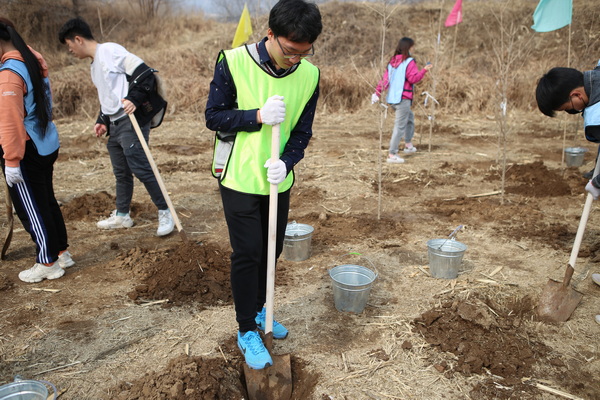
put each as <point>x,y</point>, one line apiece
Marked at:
<point>244,171</point>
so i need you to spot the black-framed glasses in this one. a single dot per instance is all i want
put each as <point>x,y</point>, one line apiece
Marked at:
<point>310,53</point>
<point>573,110</point>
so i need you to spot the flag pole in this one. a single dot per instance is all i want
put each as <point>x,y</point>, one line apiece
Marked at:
<point>454,43</point>
<point>564,120</point>
<point>431,116</point>
<point>569,48</point>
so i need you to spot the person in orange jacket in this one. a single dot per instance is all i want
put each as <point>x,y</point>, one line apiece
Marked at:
<point>28,149</point>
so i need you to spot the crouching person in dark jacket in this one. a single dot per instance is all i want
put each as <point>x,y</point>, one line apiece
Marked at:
<point>126,85</point>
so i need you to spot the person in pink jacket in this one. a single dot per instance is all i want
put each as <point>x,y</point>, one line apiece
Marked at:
<point>398,79</point>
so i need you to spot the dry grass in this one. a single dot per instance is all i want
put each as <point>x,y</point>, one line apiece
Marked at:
<point>184,49</point>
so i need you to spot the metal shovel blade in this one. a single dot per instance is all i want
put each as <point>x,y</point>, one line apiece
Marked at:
<point>271,383</point>
<point>558,299</point>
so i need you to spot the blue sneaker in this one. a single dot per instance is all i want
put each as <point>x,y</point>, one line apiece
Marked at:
<point>256,354</point>
<point>279,331</point>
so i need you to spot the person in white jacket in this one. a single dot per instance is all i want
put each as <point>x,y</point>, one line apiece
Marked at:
<point>126,85</point>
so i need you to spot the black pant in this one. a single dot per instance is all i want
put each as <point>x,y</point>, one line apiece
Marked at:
<point>128,158</point>
<point>36,205</point>
<point>247,217</point>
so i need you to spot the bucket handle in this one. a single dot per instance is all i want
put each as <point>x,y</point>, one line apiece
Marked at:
<point>53,388</point>
<point>293,223</point>
<point>353,253</point>
<point>451,237</point>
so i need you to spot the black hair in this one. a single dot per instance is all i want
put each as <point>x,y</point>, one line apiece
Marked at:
<point>404,46</point>
<point>75,27</point>
<point>554,88</point>
<point>296,20</point>
<point>41,91</point>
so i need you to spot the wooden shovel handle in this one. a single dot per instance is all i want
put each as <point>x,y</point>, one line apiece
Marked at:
<point>163,189</point>
<point>273,197</point>
<point>10,222</point>
<point>582,223</point>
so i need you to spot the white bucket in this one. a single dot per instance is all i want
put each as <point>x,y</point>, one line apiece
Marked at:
<point>445,257</point>
<point>297,241</point>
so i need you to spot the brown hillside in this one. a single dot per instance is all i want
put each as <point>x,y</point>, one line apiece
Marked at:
<point>468,59</point>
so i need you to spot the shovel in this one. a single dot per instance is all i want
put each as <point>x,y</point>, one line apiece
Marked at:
<point>9,221</point>
<point>163,189</point>
<point>559,300</point>
<point>274,382</point>
<point>451,237</point>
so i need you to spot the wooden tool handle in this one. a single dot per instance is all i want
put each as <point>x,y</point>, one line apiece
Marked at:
<point>271,256</point>
<point>10,222</point>
<point>163,189</point>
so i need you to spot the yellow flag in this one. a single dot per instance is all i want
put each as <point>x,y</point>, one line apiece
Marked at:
<point>244,29</point>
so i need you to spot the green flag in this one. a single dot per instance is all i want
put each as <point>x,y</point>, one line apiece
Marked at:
<point>551,15</point>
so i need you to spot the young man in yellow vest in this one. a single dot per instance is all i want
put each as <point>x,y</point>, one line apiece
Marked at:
<point>254,87</point>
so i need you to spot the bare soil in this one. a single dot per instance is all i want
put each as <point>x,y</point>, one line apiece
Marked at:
<point>142,317</point>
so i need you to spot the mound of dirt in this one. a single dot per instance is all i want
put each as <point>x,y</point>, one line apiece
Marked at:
<point>94,206</point>
<point>186,378</point>
<point>517,220</point>
<point>328,227</point>
<point>188,273</point>
<point>535,180</point>
<point>489,339</point>
<point>177,166</point>
<point>483,337</point>
<point>88,207</point>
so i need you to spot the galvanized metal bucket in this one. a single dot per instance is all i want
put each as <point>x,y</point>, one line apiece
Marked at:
<point>297,241</point>
<point>352,286</point>
<point>26,390</point>
<point>445,257</point>
<point>574,156</point>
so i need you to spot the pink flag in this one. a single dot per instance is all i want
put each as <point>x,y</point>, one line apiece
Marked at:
<point>455,16</point>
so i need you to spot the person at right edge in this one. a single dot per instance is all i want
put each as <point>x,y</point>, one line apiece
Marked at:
<point>399,78</point>
<point>575,92</point>
<point>255,87</point>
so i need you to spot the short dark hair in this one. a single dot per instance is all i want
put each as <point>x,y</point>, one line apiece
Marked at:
<point>75,27</point>
<point>554,87</point>
<point>296,20</point>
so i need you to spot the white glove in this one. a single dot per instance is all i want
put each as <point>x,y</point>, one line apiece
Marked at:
<point>273,112</point>
<point>374,98</point>
<point>276,171</point>
<point>13,175</point>
<point>595,192</point>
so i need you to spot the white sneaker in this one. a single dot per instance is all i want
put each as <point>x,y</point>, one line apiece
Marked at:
<point>411,149</point>
<point>39,272</point>
<point>598,319</point>
<point>65,260</point>
<point>165,223</point>
<point>596,278</point>
<point>115,221</point>
<point>395,159</point>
